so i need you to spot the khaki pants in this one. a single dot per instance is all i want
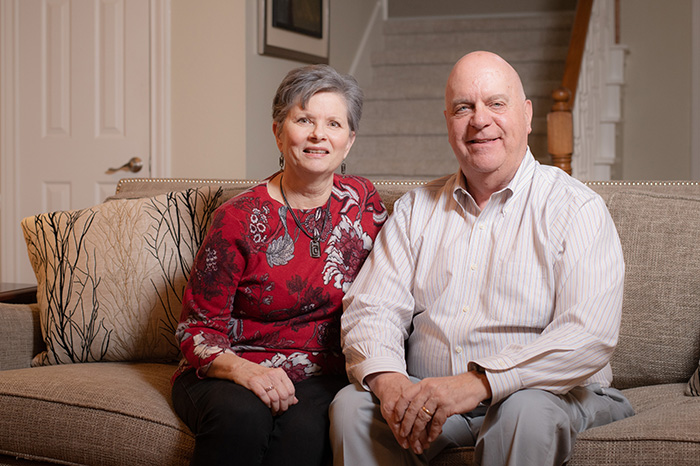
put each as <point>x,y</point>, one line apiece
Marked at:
<point>530,427</point>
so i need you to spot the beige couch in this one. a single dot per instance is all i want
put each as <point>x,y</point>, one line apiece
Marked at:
<point>119,413</point>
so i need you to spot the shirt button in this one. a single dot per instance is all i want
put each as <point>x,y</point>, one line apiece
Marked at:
<point>458,350</point>
<point>473,267</point>
<point>481,227</point>
<point>465,309</point>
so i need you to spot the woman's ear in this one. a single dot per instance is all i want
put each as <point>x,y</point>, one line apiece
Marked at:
<point>277,138</point>
<point>351,141</point>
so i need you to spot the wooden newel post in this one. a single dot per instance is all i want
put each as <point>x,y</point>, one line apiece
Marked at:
<point>560,130</point>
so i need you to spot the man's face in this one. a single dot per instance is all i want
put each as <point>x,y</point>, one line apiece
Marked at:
<point>488,118</point>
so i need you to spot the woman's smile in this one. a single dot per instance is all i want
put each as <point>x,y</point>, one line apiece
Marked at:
<point>316,138</point>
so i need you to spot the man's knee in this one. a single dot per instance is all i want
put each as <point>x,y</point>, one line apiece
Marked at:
<point>349,403</point>
<point>529,417</point>
<point>532,410</point>
<point>532,424</point>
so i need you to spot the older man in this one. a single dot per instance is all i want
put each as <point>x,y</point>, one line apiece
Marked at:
<point>490,306</point>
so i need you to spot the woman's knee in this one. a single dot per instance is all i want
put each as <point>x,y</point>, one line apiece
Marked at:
<point>224,406</point>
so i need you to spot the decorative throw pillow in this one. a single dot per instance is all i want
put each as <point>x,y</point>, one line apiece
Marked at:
<point>693,388</point>
<point>110,278</point>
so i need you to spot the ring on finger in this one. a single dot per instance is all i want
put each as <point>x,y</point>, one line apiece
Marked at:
<point>271,387</point>
<point>427,411</point>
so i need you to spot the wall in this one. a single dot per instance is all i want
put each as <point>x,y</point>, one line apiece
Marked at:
<point>348,22</point>
<point>208,89</point>
<point>222,89</point>
<point>656,127</point>
<point>410,8</point>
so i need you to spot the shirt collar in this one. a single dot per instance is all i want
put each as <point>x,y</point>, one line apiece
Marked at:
<point>523,177</point>
<point>519,184</point>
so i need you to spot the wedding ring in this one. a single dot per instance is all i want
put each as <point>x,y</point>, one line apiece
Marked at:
<point>267,389</point>
<point>427,411</point>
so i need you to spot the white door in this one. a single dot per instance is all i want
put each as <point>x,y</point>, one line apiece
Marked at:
<point>82,104</point>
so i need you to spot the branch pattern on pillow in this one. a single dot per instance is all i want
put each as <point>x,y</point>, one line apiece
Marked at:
<point>693,387</point>
<point>110,278</point>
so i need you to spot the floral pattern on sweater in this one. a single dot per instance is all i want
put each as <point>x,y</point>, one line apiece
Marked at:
<point>255,291</point>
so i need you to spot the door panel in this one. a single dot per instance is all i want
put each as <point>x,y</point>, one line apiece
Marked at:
<point>84,101</point>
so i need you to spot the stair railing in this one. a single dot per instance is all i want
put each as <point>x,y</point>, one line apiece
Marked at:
<point>560,134</point>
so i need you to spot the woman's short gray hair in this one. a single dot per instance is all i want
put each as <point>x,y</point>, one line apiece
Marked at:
<point>302,83</point>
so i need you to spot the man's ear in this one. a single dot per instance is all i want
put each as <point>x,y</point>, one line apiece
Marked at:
<point>528,115</point>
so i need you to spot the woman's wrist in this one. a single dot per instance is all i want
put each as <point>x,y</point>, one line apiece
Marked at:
<point>226,366</point>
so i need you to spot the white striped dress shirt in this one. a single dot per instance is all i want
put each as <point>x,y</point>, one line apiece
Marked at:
<point>530,288</point>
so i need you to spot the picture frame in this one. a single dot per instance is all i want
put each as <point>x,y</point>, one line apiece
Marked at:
<point>294,29</point>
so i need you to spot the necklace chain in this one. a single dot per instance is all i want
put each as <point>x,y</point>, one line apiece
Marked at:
<point>315,246</point>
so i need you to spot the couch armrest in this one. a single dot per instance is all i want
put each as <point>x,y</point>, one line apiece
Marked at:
<point>20,335</point>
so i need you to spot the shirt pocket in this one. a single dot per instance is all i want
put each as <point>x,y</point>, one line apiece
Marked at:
<point>522,295</point>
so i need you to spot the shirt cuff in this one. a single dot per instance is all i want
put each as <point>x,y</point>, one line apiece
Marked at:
<point>502,376</point>
<point>360,371</point>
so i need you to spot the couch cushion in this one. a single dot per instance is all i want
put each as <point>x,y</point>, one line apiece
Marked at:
<point>660,331</point>
<point>664,431</point>
<point>96,413</point>
<point>111,277</point>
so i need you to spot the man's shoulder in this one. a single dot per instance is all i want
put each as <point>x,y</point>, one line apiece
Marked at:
<point>555,185</point>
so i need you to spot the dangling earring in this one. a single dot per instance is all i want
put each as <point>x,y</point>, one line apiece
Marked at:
<point>342,168</point>
<point>281,162</point>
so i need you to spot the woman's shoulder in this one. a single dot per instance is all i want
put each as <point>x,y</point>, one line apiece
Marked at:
<point>254,198</point>
<point>258,191</point>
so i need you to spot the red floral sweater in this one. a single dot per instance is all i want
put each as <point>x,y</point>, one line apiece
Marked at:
<point>255,290</point>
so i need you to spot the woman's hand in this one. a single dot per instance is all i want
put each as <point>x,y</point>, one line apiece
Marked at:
<point>271,385</point>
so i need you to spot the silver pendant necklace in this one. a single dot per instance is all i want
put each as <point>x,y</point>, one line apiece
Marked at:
<point>315,245</point>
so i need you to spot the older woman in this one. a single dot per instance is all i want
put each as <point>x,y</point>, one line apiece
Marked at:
<point>260,322</point>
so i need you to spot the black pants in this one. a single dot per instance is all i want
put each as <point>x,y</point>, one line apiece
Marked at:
<point>233,427</point>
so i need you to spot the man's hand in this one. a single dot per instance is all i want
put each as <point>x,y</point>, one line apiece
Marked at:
<point>442,397</point>
<point>389,388</point>
<point>417,412</point>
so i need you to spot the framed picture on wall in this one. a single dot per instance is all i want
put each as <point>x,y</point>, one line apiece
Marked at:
<point>294,29</point>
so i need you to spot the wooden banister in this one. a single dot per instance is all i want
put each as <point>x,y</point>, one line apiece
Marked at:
<point>560,135</point>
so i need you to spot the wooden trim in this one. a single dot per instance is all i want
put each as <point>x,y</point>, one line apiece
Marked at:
<point>577,46</point>
<point>17,293</point>
<point>560,130</point>
<point>560,135</point>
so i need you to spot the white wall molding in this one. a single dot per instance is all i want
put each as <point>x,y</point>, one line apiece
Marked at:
<point>160,89</point>
<point>597,110</point>
<point>695,93</point>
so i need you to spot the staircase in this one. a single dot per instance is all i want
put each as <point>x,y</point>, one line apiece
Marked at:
<point>402,132</point>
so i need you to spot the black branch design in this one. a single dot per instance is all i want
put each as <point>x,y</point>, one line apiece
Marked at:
<point>58,251</point>
<point>181,219</point>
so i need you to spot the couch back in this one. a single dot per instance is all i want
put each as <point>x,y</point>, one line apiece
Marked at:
<point>659,227</point>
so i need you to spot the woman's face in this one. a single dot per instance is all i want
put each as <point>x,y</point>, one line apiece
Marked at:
<point>315,140</point>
